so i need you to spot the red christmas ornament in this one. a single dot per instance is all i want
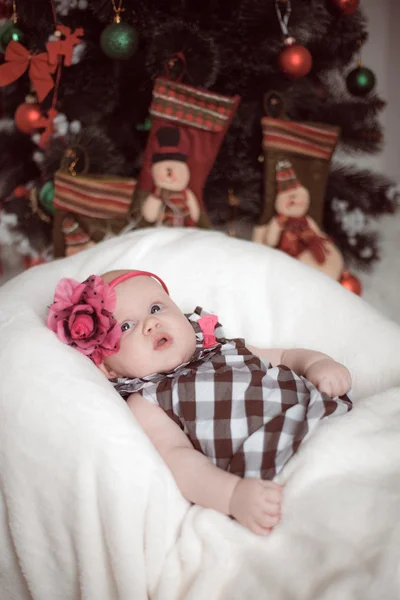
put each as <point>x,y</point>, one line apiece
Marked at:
<point>21,192</point>
<point>295,61</point>
<point>27,117</point>
<point>347,7</point>
<point>351,282</point>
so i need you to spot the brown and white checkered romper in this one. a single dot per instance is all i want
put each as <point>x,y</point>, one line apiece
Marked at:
<point>249,418</point>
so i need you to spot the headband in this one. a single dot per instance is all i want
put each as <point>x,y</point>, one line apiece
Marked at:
<point>82,314</point>
<point>130,274</point>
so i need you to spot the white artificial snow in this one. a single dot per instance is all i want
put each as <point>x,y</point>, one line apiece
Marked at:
<point>64,6</point>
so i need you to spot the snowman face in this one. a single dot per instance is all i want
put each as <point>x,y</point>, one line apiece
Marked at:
<point>171,175</point>
<point>293,203</point>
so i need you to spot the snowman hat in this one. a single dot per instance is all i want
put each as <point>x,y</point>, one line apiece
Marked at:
<point>286,178</point>
<point>171,143</point>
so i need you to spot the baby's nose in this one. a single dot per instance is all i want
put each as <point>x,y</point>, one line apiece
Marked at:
<point>150,324</point>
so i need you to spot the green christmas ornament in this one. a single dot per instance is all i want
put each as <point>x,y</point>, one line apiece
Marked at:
<point>13,34</point>
<point>145,126</point>
<point>360,81</point>
<point>9,31</point>
<point>119,41</point>
<point>46,196</point>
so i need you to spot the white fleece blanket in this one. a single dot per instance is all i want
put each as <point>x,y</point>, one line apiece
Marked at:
<point>87,507</point>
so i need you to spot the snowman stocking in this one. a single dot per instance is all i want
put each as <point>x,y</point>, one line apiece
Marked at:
<point>188,126</point>
<point>309,148</point>
<point>296,162</point>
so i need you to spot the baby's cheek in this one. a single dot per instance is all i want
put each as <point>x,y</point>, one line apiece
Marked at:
<point>122,356</point>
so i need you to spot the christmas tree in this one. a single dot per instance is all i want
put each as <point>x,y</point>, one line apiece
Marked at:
<point>96,89</point>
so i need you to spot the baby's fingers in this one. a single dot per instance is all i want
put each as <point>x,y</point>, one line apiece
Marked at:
<point>343,382</point>
<point>346,383</point>
<point>271,485</point>
<point>343,387</point>
<point>325,386</point>
<point>266,521</point>
<point>255,528</point>
<point>272,492</point>
<point>340,386</point>
<point>272,508</point>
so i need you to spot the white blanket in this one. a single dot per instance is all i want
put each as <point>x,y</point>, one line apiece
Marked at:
<point>87,507</point>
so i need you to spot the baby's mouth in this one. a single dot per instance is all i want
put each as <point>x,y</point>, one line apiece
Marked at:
<point>162,341</point>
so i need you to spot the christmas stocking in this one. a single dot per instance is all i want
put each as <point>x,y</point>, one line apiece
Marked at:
<point>188,126</point>
<point>309,148</point>
<point>87,208</point>
<point>291,228</point>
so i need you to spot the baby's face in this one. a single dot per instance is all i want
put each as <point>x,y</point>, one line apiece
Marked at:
<point>156,336</point>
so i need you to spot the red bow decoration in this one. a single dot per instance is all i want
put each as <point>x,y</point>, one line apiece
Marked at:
<point>18,60</point>
<point>64,47</point>
<point>207,325</point>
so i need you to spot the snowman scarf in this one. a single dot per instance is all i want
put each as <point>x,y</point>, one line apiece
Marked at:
<point>297,236</point>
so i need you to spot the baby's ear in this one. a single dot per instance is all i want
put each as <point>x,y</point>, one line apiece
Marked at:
<point>107,371</point>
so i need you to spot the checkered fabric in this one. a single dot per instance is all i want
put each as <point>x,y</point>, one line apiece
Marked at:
<point>97,196</point>
<point>246,416</point>
<point>306,139</point>
<point>187,105</point>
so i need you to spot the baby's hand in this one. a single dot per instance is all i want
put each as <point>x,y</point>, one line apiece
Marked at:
<point>330,377</point>
<point>256,504</point>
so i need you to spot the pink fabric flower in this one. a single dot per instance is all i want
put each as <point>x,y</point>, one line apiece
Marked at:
<point>81,316</point>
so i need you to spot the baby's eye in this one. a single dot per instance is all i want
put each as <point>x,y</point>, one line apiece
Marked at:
<point>155,308</point>
<point>127,325</point>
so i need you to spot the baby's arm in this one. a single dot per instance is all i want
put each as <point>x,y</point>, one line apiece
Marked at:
<point>325,373</point>
<point>252,502</point>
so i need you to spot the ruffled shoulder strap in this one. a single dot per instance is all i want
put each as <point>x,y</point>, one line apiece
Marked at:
<point>126,386</point>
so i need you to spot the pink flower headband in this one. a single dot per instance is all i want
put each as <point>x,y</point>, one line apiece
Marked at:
<point>82,314</point>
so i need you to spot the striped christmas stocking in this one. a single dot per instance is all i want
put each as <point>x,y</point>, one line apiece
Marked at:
<point>188,126</point>
<point>87,207</point>
<point>297,160</point>
<point>309,148</point>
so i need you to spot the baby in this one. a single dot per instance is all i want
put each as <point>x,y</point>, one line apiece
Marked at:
<point>223,416</point>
